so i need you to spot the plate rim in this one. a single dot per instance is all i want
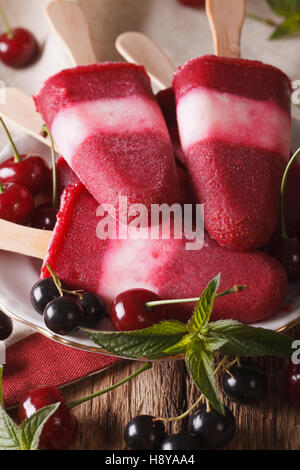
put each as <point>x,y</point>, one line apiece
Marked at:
<point>96,349</point>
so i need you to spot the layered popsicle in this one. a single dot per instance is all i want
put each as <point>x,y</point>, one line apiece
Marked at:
<point>109,267</point>
<point>66,176</point>
<point>108,126</point>
<point>235,129</point>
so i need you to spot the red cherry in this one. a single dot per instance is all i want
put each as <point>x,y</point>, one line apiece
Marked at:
<point>61,429</point>
<point>31,171</point>
<point>28,170</point>
<point>292,382</point>
<point>16,203</point>
<point>128,310</point>
<point>193,3</point>
<point>18,47</point>
<point>44,217</point>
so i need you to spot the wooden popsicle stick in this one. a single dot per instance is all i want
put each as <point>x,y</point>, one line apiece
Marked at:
<point>69,21</point>
<point>226,19</point>
<point>24,240</point>
<point>19,110</point>
<point>141,50</point>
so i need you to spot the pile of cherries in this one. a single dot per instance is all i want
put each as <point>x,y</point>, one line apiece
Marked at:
<point>22,179</point>
<point>18,46</point>
<point>63,314</point>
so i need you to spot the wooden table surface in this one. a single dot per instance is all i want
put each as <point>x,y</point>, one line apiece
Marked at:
<point>166,390</point>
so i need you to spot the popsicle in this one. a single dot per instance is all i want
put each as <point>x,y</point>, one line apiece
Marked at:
<point>110,267</point>
<point>235,129</point>
<point>66,176</point>
<point>108,126</point>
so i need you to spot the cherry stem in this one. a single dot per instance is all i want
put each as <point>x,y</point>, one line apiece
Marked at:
<point>6,24</point>
<point>73,292</point>
<point>72,404</point>
<point>156,303</point>
<point>267,21</point>
<point>54,172</point>
<point>282,192</point>
<point>17,157</point>
<point>1,188</point>
<point>56,280</point>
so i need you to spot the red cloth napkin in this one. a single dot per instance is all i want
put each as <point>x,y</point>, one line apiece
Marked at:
<point>37,360</point>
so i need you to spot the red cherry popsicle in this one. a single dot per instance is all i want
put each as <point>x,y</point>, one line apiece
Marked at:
<point>18,46</point>
<point>27,170</point>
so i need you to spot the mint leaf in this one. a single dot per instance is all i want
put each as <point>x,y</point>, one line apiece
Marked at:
<point>285,8</point>
<point>214,343</point>
<point>200,365</point>
<point>203,309</point>
<point>31,429</point>
<point>288,27</point>
<point>10,434</point>
<point>180,347</point>
<point>149,343</point>
<point>245,340</point>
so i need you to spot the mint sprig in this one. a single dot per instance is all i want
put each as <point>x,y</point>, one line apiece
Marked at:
<point>289,10</point>
<point>27,435</point>
<point>285,8</point>
<point>197,342</point>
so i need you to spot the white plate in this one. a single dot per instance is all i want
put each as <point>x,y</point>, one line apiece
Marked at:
<point>19,273</point>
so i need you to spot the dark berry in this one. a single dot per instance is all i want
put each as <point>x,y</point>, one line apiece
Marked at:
<point>213,428</point>
<point>20,49</point>
<point>44,217</point>
<point>248,384</point>
<point>60,430</point>
<point>292,383</point>
<point>93,307</point>
<point>142,433</point>
<point>128,310</point>
<point>63,315</point>
<point>287,252</point>
<point>6,326</point>
<point>43,292</point>
<point>182,441</point>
